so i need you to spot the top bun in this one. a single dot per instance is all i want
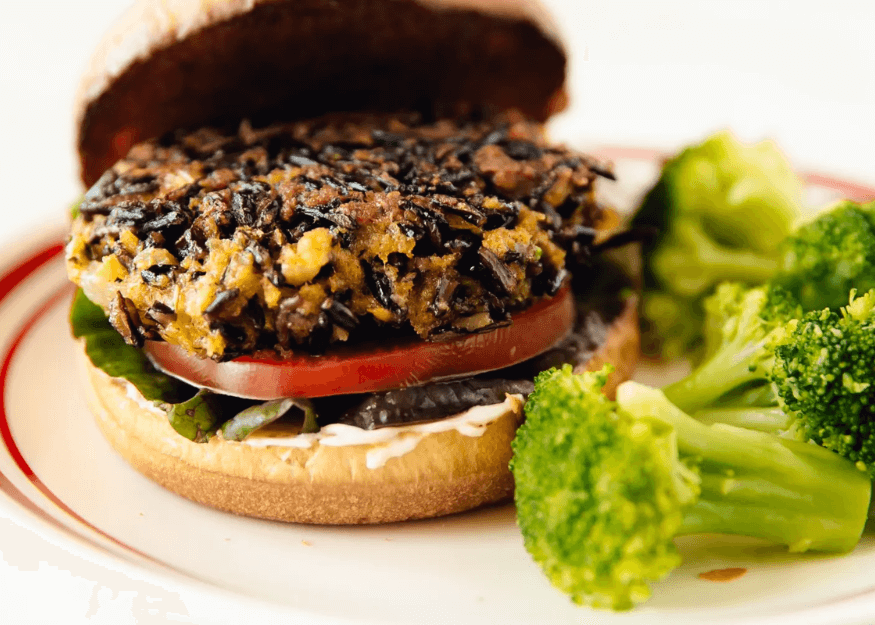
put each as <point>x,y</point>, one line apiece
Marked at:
<point>183,63</point>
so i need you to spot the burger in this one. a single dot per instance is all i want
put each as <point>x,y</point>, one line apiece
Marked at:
<point>325,249</point>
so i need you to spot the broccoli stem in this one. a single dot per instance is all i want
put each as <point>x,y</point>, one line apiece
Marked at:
<point>730,367</point>
<point>756,396</point>
<point>742,266</point>
<point>760,485</point>
<point>693,263</point>
<point>771,420</point>
<point>820,515</point>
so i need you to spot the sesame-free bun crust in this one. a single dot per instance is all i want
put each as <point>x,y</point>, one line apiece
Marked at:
<point>189,63</point>
<point>446,472</point>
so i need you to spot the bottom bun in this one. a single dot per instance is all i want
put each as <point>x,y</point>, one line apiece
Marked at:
<point>430,470</point>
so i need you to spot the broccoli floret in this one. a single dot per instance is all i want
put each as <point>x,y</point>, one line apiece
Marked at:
<point>742,197</point>
<point>823,260</point>
<point>722,208</point>
<point>721,306</point>
<point>752,323</point>
<point>670,324</point>
<point>603,487</point>
<point>598,496</point>
<point>822,384</point>
<point>827,257</point>
<point>825,377</point>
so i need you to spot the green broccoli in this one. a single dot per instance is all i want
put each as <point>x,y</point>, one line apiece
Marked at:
<point>750,323</point>
<point>739,197</point>
<point>825,378</point>
<point>603,487</point>
<point>821,386</point>
<point>771,419</point>
<point>823,260</point>
<point>827,257</point>
<point>754,407</point>
<point>670,325</point>
<point>722,208</point>
<point>721,306</point>
<point>696,263</point>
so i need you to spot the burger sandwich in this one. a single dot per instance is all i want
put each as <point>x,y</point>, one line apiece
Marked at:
<point>325,248</point>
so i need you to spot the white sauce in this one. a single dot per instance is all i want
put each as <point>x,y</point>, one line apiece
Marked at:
<point>135,396</point>
<point>389,442</point>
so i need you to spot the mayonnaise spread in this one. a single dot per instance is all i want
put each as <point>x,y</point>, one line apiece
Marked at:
<point>393,441</point>
<point>388,442</point>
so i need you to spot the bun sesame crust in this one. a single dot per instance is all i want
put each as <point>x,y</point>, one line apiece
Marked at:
<point>188,63</point>
<point>446,472</point>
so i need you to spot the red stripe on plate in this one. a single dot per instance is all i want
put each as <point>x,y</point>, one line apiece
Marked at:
<point>850,190</point>
<point>8,282</point>
<point>5,430</point>
<point>18,273</point>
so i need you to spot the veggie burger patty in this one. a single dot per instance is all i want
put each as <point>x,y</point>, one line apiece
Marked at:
<point>300,235</point>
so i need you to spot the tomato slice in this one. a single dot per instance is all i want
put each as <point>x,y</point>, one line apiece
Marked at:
<point>376,368</point>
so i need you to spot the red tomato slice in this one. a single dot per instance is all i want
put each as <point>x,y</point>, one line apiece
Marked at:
<point>377,368</point>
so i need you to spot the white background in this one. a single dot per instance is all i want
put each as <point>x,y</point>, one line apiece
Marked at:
<point>653,74</point>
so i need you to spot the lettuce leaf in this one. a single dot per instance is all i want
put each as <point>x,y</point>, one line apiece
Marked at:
<point>194,414</point>
<point>108,351</point>
<point>196,418</point>
<point>247,421</point>
<point>74,208</point>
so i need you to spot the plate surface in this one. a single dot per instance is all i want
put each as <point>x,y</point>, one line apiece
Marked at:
<point>60,478</point>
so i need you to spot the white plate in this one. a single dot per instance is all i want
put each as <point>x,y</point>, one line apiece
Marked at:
<point>59,478</point>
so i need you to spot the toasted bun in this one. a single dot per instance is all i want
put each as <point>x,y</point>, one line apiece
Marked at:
<point>446,472</point>
<point>183,63</point>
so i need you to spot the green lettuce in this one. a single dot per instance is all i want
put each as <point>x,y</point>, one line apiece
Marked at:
<point>250,419</point>
<point>74,208</point>
<point>196,418</point>
<point>108,352</point>
<point>195,414</point>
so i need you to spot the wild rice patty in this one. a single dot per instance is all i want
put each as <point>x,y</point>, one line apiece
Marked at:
<point>296,236</point>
